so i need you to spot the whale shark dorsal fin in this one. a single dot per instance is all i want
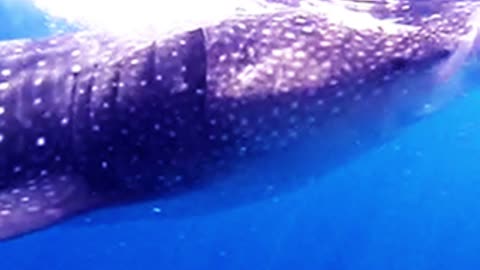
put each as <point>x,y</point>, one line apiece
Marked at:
<point>39,202</point>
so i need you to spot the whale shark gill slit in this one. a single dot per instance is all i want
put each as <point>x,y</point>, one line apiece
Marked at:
<point>67,139</point>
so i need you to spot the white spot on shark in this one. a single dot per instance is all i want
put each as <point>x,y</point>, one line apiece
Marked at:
<point>6,72</point>
<point>4,86</point>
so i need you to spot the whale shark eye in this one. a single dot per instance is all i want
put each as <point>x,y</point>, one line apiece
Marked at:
<point>444,53</point>
<point>399,63</point>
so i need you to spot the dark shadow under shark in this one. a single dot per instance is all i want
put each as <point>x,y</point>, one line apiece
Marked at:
<point>89,120</point>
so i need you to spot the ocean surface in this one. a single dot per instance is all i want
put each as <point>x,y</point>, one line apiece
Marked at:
<point>413,203</point>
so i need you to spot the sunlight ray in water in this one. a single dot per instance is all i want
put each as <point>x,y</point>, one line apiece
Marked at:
<point>162,17</point>
<point>145,15</point>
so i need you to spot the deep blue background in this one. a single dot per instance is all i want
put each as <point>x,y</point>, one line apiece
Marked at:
<point>413,203</point>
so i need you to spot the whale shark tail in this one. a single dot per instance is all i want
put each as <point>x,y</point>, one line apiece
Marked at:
<point>39,202</point>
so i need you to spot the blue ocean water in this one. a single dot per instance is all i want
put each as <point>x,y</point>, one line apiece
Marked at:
<point>412,203</point>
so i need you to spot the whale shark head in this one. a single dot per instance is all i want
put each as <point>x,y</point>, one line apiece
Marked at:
<point>299,71</point>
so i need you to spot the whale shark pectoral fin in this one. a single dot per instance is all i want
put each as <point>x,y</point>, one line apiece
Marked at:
<point>37,203</point>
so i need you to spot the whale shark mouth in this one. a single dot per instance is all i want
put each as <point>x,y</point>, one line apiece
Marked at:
<point>448,76</point>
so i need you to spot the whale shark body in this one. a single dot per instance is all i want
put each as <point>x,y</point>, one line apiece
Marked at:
<point>91,120</point>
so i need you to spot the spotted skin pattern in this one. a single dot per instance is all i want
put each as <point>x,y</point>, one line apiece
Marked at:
<point>89,120</point>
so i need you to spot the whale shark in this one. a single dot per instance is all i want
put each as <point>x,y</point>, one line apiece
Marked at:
<point>90,120</point>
